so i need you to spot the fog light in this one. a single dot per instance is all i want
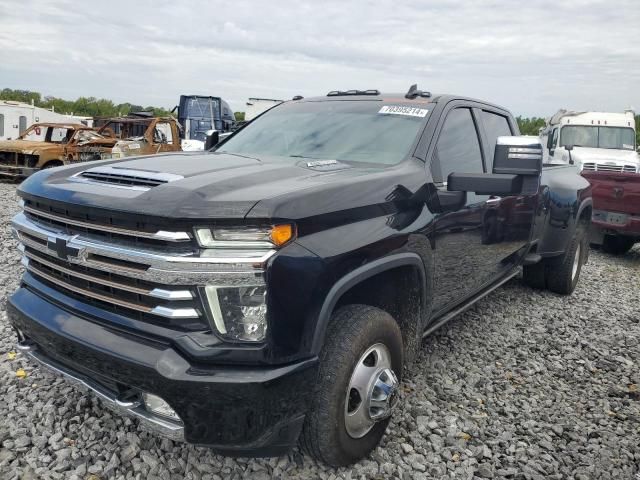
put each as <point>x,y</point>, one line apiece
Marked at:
<point>239,313</point>
<point>155,404</point>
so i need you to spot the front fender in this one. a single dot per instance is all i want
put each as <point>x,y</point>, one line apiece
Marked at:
<point>359,275</point>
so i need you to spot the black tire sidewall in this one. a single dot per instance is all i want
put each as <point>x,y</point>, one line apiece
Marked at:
<point>559,271</point>
<point>345,344</point>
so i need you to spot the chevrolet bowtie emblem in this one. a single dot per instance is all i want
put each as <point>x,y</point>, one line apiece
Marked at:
<point>62,248</point>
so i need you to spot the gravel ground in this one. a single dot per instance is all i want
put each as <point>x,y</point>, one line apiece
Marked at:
<point>526,385</point>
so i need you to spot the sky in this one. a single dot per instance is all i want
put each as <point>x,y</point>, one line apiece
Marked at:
<point>532,57</point>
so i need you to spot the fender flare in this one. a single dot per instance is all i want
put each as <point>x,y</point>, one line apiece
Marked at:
<point>587,202</point>
<point>355,277</point>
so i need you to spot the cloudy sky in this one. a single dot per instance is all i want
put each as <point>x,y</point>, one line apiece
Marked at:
<point>532,57</point>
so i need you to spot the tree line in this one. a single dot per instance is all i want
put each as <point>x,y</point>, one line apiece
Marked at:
<point>101,107</point>
<point>82,106</point>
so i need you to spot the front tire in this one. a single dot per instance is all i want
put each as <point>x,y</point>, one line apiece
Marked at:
<point>360,367</point>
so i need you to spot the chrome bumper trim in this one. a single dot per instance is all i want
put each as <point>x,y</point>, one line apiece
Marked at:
<point>171,429</point>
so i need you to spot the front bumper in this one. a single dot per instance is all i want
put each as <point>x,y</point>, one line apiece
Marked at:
<point>12,171</point>
<point>236,410</point>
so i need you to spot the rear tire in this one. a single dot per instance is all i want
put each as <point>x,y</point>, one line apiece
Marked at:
<point>563,272</point>
<point>617,244</point>
<point>353,332</point>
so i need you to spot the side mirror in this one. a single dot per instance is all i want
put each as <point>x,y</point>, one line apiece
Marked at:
<point>517,164</point>
<point>568,148</point>
<point>520,155</point>
<point>213,137</point>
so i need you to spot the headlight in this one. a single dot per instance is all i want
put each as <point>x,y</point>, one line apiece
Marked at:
<point>245,237</point>
<point>239,313</point>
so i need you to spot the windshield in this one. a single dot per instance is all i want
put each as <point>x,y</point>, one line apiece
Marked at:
<point>620,138</point>
<point>201,114</point>
<point>367,131</point>
<point>87,136</point>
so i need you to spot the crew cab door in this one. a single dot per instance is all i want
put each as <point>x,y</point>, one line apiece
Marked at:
<point>509,219</point>
<point>475,244</point>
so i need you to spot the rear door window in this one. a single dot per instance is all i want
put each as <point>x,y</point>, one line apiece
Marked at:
<point>495,126</point>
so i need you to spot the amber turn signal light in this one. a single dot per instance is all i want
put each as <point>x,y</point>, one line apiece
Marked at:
<point>281,234</point>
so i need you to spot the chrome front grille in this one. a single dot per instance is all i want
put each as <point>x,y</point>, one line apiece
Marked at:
<point>603,167</point>
<point>149,283</point>
<point>102,226</point>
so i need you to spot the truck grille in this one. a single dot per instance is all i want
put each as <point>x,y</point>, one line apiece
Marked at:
<point>105,227</point>
<point>157,282</point>
<point>599,167</point>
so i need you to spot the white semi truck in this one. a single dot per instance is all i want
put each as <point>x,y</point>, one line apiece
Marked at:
<point>595,141</point>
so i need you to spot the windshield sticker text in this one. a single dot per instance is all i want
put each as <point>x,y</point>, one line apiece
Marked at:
<point>400,110</point>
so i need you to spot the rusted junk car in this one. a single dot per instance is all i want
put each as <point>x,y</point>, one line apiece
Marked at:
<point>141,135</point>
<point>45,145</point>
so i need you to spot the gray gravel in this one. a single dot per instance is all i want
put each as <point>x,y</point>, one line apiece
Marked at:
<point>526,385</point>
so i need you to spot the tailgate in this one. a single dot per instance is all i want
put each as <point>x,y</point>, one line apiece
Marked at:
<point>615,192</point>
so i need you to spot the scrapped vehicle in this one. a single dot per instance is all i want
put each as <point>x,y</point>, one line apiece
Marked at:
<point>271,291</point>
<point>46,145</point>
<point>616,210</point>
<point>141,135</point>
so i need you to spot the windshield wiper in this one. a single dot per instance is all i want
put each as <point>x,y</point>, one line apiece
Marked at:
<point>236,155</point>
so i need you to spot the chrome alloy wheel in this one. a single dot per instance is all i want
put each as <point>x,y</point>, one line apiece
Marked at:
<point>576,263</point>
<point>372,391</point>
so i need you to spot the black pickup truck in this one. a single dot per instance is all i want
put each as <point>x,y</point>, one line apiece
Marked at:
<point>269,292</point>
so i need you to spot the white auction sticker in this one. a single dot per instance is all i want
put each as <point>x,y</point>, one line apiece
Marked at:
<point>404,110</point>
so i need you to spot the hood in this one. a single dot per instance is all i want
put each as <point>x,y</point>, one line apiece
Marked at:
<point>25,146</point>
<point>212,185</point>
<point>604,156</point>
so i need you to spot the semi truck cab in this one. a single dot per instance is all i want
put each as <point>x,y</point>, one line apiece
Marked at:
<point>596,141</point>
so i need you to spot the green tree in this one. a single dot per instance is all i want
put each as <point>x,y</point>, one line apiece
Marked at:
<point>530,126</point>
<point>239,116</point>
<point>25,96</point>
<point>82,106</point>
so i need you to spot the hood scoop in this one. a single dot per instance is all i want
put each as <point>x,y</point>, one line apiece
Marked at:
<point>126,177</point>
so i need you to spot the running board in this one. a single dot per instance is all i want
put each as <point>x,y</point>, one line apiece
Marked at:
<point>454,313</point>
<point>531,258</point>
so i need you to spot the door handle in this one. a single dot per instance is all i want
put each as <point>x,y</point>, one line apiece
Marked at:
<point>494,200</point>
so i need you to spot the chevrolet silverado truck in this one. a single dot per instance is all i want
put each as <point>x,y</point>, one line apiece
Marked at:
<point>616,210</point>
<point>268,292</point>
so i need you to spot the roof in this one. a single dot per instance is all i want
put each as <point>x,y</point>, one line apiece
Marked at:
<point>61,125</point>
<point>400,98</point>
<point>133,120</point>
